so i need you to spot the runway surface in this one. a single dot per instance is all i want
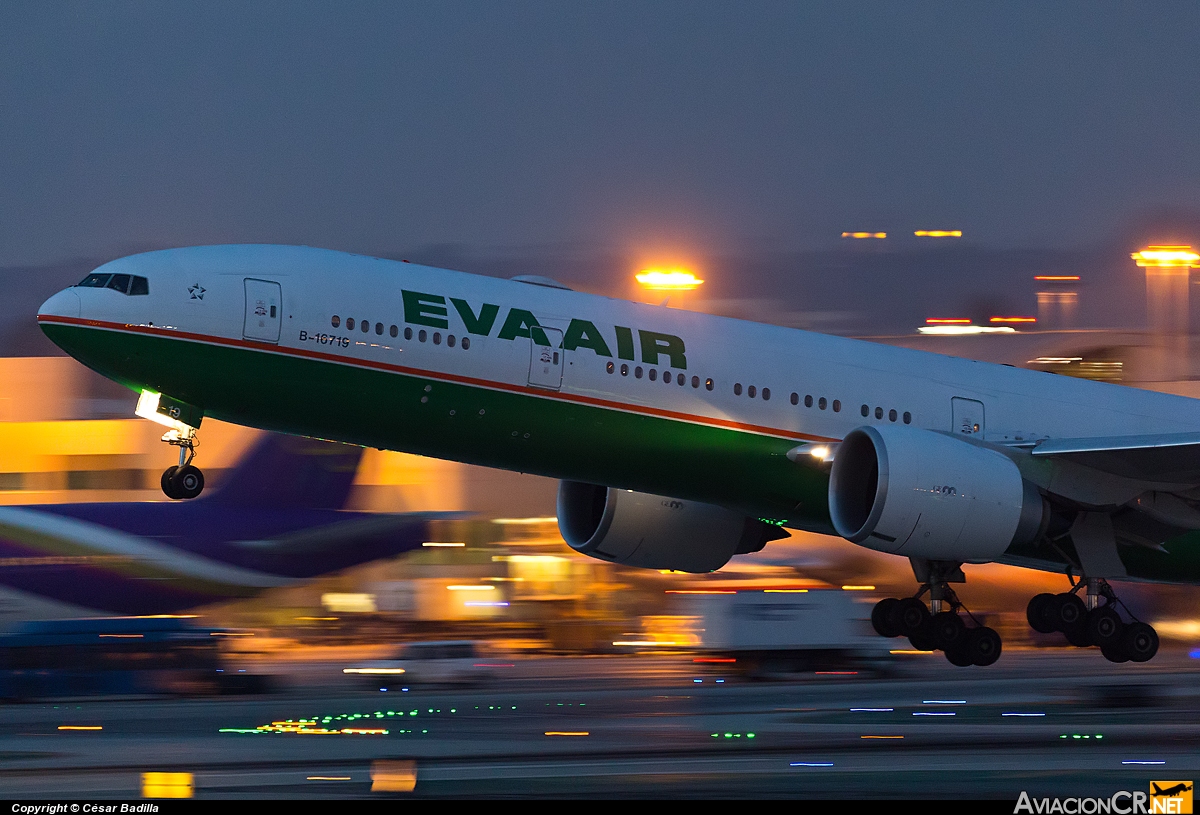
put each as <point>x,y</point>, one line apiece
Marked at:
<point>1050,723</point>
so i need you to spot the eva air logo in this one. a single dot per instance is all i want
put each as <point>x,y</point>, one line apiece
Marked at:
<point>1171,797</point>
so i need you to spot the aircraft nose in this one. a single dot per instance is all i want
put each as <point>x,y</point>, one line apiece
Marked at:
<point>63,304</point>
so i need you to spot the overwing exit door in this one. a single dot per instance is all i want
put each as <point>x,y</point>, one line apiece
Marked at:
<point>264,310</point>
<point>546,362</point>
<point>968,416</point>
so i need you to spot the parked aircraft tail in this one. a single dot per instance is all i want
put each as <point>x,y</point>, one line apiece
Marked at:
<point>290,472</point>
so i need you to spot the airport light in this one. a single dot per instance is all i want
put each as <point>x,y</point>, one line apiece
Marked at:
<point>668,280</point>
<point>1061,278</point>
<point>947,321</point>
<point>938,233</point>
<point>1012,319</point>
<point>1167,257</point>
<point>964,330</point>
<point>861,235</point>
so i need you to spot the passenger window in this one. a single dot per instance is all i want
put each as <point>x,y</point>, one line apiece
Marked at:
<point>878,413</point>
<point>407,332</point>
<point>907,417</point>
<point>667,377</point>
<point>681,379</point>
<point>422,335</point>
<point>808,401</point>
<point>379,329</point>
<point>750,391</point>
<point>766,394</point>
<point>653,374</point>
<point>466,343</point>
<point>119,282</point>
<point>366,326</point>
<point>695,382</point>
<point>737,388</point>
<point>336,321</point>
<point>866,411</point>
<point>892,415</point>
<point>437,337</point>
<point>610,367</point>
<point>349,323</point>
<point>795,398</point>
<point>624,369</point>
<point>393,331</point>
<point>637,372</point>
<point>821,403</point>
<point>450,340</point>
<point>140,285</point>
<point>837,406</point>
<point>708,384</point>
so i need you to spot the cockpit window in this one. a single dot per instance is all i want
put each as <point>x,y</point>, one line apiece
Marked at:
<point>95,281</point>
<point>126,284</point>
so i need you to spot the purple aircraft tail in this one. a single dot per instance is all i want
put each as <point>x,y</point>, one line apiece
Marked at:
<point>286,472</point>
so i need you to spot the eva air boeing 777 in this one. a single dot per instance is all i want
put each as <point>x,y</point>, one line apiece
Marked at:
<point>681,439</point>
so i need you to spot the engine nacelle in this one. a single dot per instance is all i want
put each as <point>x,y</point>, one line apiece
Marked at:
<point>923,494</point>
<point>655,532</point>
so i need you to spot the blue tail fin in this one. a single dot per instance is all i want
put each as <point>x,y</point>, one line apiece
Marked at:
<point>285,472</point>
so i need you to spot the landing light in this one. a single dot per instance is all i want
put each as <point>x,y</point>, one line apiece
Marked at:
<point>147,408</point>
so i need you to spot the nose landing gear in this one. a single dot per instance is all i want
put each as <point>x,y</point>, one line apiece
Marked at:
<point>938,627</point>
<point>1094,622</point>
<point>182,481</point>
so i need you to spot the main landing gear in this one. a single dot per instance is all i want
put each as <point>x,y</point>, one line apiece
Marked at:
<point>182,481</point>
<point>938,626</point>
<point>1094,622</point>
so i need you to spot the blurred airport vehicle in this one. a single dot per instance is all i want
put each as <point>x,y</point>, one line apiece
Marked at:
<point>278,518</point>
<point>759,632</point>
<point>439,662</point>
<point>661,426</point>
<point>117,655</point>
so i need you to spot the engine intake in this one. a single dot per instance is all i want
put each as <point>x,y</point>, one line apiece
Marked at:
<point>924,494</point>
<point>653,531</point>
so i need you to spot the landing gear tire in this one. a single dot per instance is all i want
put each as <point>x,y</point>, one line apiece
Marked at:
<point>983,645</point>
<point>1040,613</point>
<point>168,487</point>
<point>1105,628</point>
<point>1078,636</point>
<point>959,657</point>
<point>187,482</point>
<point>881,617</point>
<point>1140,642</point>
<point>1114,653</point>
<point>910,618</point>
<point>1067,612</point>
<point>922,641</point>
<point>948,630</point>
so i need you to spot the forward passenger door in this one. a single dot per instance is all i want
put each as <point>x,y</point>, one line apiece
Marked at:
<point>264,310</point>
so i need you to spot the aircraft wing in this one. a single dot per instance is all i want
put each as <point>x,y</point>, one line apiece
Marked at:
<point>1172,458</point>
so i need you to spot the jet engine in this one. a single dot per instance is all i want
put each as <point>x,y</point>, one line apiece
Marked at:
<point>655,532</point>
<point>923,494</point>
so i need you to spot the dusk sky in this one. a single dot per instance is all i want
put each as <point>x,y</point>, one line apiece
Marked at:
<point>657,128</point>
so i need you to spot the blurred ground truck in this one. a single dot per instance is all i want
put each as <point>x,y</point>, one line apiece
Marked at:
<point>760,633</point>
